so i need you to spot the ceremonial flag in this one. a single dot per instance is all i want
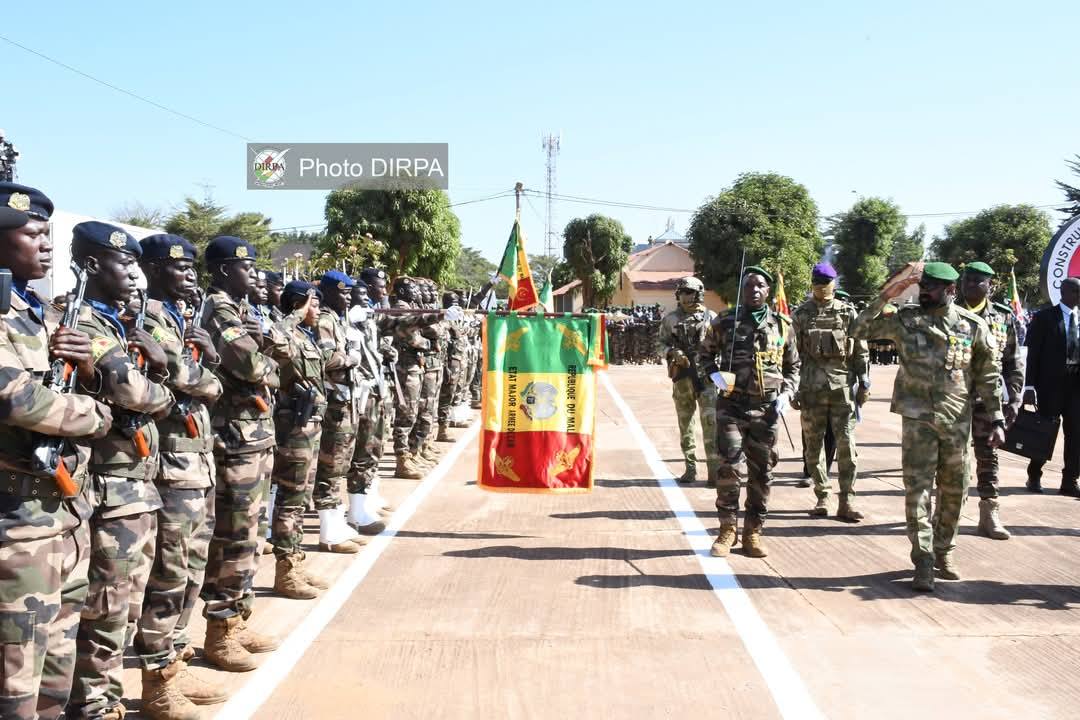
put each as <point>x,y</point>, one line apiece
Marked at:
<point>1014,296</point>
<point>781,296</point>
<point>539,402</point>
<point>514,268</point>
<point>545,295</point>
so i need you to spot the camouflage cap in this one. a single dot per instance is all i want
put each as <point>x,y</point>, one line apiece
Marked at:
<point>940,271</point>
<point>690,284</point>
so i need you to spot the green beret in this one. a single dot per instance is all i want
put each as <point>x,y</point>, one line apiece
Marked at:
<point>940,271</point>
<point>758,270</point>
<point>979,267</point>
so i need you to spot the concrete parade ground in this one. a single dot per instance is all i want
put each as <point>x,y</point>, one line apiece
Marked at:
<point>608,605</point>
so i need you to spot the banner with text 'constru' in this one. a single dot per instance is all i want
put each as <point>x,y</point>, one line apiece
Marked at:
<point>539,402</point>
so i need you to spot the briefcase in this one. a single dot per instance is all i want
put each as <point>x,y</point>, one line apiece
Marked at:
<point>1032,436</point>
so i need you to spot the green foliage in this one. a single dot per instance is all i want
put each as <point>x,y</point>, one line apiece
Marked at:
<point>907,247</point>
<point>1072,194</point>
<point>1002,237</point>
<point>864,241</point>
<point>202,220</point>
<point>541,265</point>
<point>419,233</point>
<point>596,248</point>
<point>472,270</point>
<point>353,254</point>
<point>772,217</point>
<point>562,274</point>
<point>139,215</point>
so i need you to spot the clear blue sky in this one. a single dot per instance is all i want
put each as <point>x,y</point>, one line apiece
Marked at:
<point>944,106</point>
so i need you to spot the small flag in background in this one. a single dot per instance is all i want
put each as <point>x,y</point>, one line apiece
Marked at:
<point>781,296</point>
<point>514,268</point>
<point>1014,296</point>
<point>545,295</point>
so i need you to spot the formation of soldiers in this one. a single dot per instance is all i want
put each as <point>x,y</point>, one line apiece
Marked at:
<point>739,372</point>
<point>632,335</point>
<point>154,443</point>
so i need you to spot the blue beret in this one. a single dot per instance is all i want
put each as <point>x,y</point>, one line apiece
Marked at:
<point>336,278</point>
<point>95,234</point>
<point>226,247</point>
<point>824,270</point>
<point>167,247</point>
<point>24,199</point>
<point>274,278</point>
<point>360,284</point>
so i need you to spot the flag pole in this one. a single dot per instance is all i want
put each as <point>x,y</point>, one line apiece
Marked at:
<point>518,187</point>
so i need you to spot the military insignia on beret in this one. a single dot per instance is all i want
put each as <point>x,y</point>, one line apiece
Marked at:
<point>231,334</point>
<point>176,251</point>
<point>241,251</point>
<point>340,285</point>
<point>19,201</point>
<point>118,239</point>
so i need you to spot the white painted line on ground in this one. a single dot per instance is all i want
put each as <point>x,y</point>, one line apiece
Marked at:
<point>280,663</point>
<point>788,691</point>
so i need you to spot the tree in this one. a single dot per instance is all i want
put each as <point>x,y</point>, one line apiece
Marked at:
<point>135,213</point>
<point>907,247</point>
<point>472,269</point>
<point>541,266</point>
<point>202,220</point>
<point>596,249</point>
<point>421,235</point>
<point>772,218</point>
<point>863,237</point>
<point>1072,194</point>
<point>1004,236</point>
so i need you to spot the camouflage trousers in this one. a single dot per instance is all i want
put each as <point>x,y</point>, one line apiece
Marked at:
<point>295,463</point>
<point>43,585</point>
<point>120,552</point>
<point>934,452</point>
<point>986,457</point>
<point>746,445</point>
<point>243,481</point>
<point>410,378</point>
<point>820,410</point>
<point>185,524</point>
<point>448,391</point>
<point>335,452</point>
<point>426,409</point>
<point>687,404</point>
<point>475,382</point>
<point>371,432</point>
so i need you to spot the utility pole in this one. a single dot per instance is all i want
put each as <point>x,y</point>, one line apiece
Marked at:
<point>552,144</point>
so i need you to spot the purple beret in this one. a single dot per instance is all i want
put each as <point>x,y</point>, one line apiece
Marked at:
<point>823,270</point>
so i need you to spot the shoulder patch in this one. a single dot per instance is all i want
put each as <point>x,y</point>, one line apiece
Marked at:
<point>162,335</point>
<point>101,345</point>
<point>231,334</point>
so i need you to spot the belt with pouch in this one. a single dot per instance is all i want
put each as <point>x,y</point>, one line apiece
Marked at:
<point>27,485</point>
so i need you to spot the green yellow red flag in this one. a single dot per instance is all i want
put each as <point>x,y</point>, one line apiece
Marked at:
<point>1014,296</point>
<point>539,402</point>
<point>781,296</point>
<point>514,268</point>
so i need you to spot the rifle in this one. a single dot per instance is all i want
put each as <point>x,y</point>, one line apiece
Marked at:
<point>397,386</point>
<point>132,422</point>
<point>182,407</point>
<point>196,321</point>
<point>48,455</point>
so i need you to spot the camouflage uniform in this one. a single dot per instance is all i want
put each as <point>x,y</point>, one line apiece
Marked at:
<point>454,369</point>
<point>832,363</point>
<point>765,363</point>
<point>44,538</point>
<point>945,355</point>
<point>413,352</point>
<point>430,384</point>
<point>185,481</point>
<point>681,334</point>
<point>243,452</point>
<point>123,527</point>
<point>339,424</point>
<point>373,427</point>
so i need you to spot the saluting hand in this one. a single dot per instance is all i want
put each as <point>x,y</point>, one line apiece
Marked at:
<point>73,346</point>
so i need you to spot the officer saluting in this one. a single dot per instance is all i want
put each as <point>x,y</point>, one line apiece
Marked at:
<point>43,532</point>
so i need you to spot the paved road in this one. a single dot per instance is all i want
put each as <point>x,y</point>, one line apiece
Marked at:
<point>502,606</point>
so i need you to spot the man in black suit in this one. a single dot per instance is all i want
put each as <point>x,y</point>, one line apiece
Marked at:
<point>1053,379</point>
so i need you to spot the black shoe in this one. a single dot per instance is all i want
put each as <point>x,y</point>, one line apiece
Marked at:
<point>1069,488</point>
<point>689,476</point>
<point>1033,485</point>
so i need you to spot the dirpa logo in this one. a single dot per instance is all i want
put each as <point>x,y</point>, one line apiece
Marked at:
<point>268,166</point>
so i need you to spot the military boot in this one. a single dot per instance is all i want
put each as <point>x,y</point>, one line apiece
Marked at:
<point>444,434</point>
<point>187,653</point>
<point>406,468</point>
<point>751,542</point>
<point>161,695</point>
<point>429,453</point>
<point>689,475</point>
<point>197,690</point>
<point>989,523</point>
<point>289,580</point>
<point>821,507</point>
<point>255,642</point>
<point>848,511</point>
<point>924,575</point>
<point>945,566</point>
<point>721,547</point>
<point>223,649</point>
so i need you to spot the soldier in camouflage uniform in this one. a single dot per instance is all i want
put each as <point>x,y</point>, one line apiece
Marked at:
<point>185,482</point>
<point>275,284</point>
<point>342,414</point>
<point>298,417</point>
<point>243,426</point>
<point>123,465</point>
<point>456,362</point>
<point>755,382</point>
<point>946,355</point>
<point>421,439</point>
<point>413,352</point>
<point>681,333</point>
<point>833,379</point>
<point>975,292</point>
<point>44,533</point>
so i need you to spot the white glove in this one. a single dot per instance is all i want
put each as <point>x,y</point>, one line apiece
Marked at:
<point>782,403</point>
<point>357,314</point>
<point>718,381</point>
<point>454,313</point>
<point>493,276</point>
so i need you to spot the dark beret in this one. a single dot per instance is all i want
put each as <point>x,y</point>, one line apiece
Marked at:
<point>25,199</point>
<point>274,278</point>
<point>93,234</point>
<point>226,247</point>
<point>335,278</point>
<point>167,247</point>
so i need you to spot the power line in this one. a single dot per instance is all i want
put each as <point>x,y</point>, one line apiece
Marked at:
<point>118,89</point>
